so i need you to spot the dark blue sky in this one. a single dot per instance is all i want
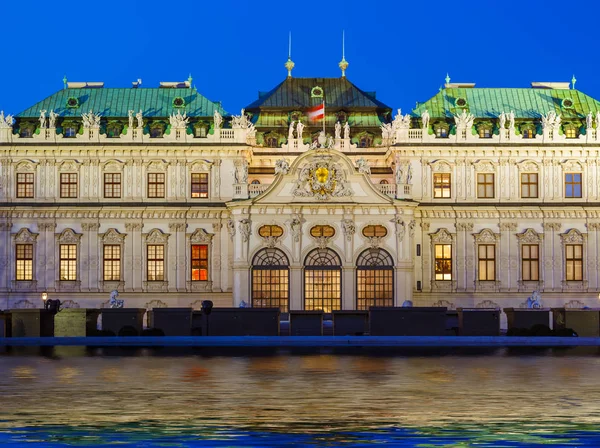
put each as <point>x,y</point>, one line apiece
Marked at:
<point>234,48</point>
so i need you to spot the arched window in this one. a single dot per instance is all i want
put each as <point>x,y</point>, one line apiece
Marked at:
<point>270,230</point>
<point>323,281</point>
<point>271,280</point>
<point>383,182</point>
<point>374,279</point>
<point>255,182</point>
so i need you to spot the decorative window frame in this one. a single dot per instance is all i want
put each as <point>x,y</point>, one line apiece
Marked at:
<point>113,167</point>
<point>529,167</point>
<point>270,241</point>
<point>68,167</point>
<point>485,167</point>
<point>200,167</point>
<point>528,127</point>
<point>443,236</point>
<point>156,237</point>
<point>199,236</point>
<point>530,236</point>
<point>114,125</point>
<point>484,126</point>
<point>486,236</point>
<point>322,242</point>
<point>160,125</point>
<point>67,236</point>
<point>156,166</point>
<point>440,126</point>
<point>114,238</point>
<point>572,166</point>
<point>26,167</point>
<point>574,236</point>
<point>201,125</point>
<point>23,236</point>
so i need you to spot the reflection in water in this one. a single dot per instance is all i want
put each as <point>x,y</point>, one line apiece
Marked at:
<point>318,399</point>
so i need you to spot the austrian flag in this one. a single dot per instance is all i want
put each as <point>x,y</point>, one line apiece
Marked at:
<point>316,113</point>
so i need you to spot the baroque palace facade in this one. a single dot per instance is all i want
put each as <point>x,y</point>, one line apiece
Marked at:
<point>476,198</point>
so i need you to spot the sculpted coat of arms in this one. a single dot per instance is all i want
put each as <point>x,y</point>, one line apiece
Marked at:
<point>322,180</point>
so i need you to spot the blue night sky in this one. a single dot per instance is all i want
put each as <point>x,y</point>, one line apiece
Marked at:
<point>234,48</point>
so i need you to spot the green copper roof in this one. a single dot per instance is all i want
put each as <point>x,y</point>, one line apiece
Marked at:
<point>526,103</point>
<point>114,103</point>
<point>338,93</point>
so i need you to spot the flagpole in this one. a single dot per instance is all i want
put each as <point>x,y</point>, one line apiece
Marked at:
<point>323,116</point>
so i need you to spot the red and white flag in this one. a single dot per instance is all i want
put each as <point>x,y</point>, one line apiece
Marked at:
<point>316,113</point>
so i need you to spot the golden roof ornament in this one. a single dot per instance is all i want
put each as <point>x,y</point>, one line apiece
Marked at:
<point>289,65</point>
<point>343,65</point>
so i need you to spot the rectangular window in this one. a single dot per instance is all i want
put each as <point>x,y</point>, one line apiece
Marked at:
<point>156,185</point>
<point>574,262</point>
<point>68,185</point>
<point>156,263</point>
<point>487,262</point>
<point>443,262</point>
<point>529,185</point>
<point>441,185</point>
<point>199,185</point>
<point>24,261</point>
<point>68,262</point>
<point>530,262</point>
<point>572,185</point>
<point>199,262</point>
<point>112,262</point>
<point>485,185</point>
<point>112,185</point>
<point>24,185</point>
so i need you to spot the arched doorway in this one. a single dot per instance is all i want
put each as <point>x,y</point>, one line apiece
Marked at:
<point>323,281</point>
<point>374,279</point>
<point>271,280</point>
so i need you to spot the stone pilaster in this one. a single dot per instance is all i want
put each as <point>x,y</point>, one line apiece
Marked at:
<point>90,251</point>
<point>133,257</point>
<point>5,264</point>
<point>177,265</point>
<point>508,274</point>
<point>552,256</point>
<point>216,255</point>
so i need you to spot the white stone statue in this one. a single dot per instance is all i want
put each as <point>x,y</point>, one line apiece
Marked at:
<point>349,228</point>
<point>464,120</point>
<point>511,120</point>
<point>338,130</point>
<point>217,119</point>
<point>409,174</point>
<point>535,301</point>
<point>597,121</point>
<point>400,227</point>
<point>296,227</point>
<point>291,131</point>
<point>178,121</point>
<point>400,121</point>
<point>5,122</point>
<point>299,129</point>
<point>231,227</point>
<point>502,120</point>
<point>425,119</point>
<point>240,121</point>
<point>91,120</point>
<point>363,166</point>
<point>241,172</point>
<point>346,130</point>
<point>130,115</point>
<point>329,143</point>
<point>386,131</point>
<point>399,174</point>
<point>282,166</point>
<point>245,229</point>
<point>43,119</point>
<point>114,302</point>
<point>589,121</point>
<point>140,119</point>
<point>52,119</point>
<point>551,121</point>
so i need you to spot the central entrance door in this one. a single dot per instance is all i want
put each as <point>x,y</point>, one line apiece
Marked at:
<point>323,281</point>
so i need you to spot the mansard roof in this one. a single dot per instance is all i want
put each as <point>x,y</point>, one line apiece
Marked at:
<point>295,93</point>
<point>116,102</point>
<point>526,103</point>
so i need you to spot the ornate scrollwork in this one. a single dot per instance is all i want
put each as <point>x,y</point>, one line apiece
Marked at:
<point>321,179</point>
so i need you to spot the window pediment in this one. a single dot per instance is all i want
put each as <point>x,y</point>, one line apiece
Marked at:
<point>157,165</point>
<point>484,166</point>
<point>69,165</point>
<point>528,166</point>
<point>25,236</point>
<point>486,236</point>
<point>530,236</point>
<point>68,236</point>
<point>156,236</point>
<point>200,166</point>
<point>26,165</point>
<point>441,166</point>
<point>201,236</point>
<point>113,165</point>
<point>573,236</point>
<point>442,236</point>
<point>112,236</point>
<point>571,166</point>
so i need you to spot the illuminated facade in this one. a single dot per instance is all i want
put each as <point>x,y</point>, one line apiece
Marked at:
<point>476,198</point>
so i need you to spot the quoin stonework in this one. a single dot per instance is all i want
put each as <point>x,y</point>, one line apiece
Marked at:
<point>475,198</point>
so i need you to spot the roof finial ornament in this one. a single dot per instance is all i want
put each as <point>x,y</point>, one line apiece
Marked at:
<point>343,63</point>
<point>190,79</point>
<point>289,64</point>
<point>65,82</point>
<point>447,78</point>
<point>573,81</point>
